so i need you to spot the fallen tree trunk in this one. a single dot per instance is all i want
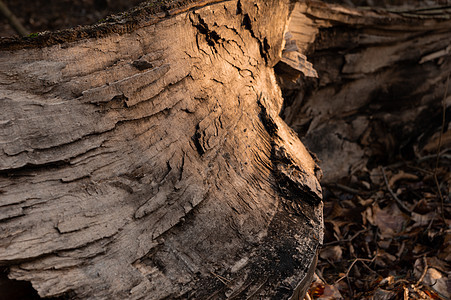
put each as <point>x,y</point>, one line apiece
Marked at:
<point>145,158</point>
<point>382,76</point>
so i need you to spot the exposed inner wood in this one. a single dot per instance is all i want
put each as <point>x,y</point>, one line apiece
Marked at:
<point>153,163</point>
<point>381,80</point>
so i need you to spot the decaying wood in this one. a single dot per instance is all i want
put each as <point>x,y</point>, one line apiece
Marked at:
<point>381,79</point>
<point>147,159</point>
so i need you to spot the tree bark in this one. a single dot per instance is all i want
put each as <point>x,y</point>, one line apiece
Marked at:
<point>144,158</point>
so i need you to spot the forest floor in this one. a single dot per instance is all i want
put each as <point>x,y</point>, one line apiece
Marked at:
<point>387,233</point>
<point>387,230</point>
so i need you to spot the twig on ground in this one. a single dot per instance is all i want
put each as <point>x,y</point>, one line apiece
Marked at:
<point>352,265</point>
<point>424,271</point>
<point>400,203</point>
<point>440,145</point>
<point>12,19</point>
<point>371,270</point>
<point>347,240</point>
<point>434,156</point>
<point>420,170</point>
<point>406,293</point>
<point>443,155</point>
<point>346,188</point>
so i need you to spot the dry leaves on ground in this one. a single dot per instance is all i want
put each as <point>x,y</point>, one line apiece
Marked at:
<point>388,240</point>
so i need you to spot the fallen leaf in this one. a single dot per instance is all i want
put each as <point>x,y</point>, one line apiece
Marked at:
<point>384,244</point>
<point>434,279</point>
<point>445,254</point>
<point>322,291</point>
<point>336,226</point>
<point>332,253</point>
<point>422,220</point>
<point>376,176</point>
<point>367,216</point>
<point>330,292</point>
<point>316,290</point>
<point>444,140</point>
<point>364,202</point>
<point>424,205</point>
<point>384,258</point>
<point>419,249</point>
<point>435,262</point>
<point>389,220</point>
<point>387,280</point>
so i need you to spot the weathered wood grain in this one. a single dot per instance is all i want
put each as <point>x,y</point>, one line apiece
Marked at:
<point>151,162</point>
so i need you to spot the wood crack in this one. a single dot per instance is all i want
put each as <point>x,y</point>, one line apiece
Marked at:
<point>291,179</point>
<point>247,24</point>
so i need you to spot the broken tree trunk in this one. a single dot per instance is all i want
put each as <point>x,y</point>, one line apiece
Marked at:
<point>381,81</point>
<point>144,158</point>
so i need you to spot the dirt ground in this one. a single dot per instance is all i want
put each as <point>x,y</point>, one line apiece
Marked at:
<point>387,230</point>
<point>387,233</point>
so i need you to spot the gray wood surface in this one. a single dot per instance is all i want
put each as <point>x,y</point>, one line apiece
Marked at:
<point>150,161</point>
